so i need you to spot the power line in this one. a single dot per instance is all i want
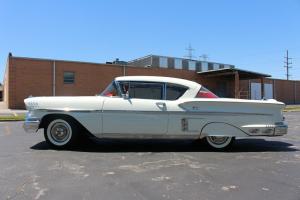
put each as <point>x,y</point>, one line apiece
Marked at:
<point>287,64</point>
<point>190,52</point>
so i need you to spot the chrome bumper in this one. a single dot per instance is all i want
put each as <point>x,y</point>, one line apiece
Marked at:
<point>31,125</point>
<point>280,130</point>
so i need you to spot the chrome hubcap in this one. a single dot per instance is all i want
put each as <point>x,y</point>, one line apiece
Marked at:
<point>60,132</point>
<point>218,140</point>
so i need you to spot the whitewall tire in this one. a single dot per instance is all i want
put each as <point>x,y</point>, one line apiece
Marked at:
<point>61,133</point>
<point>219,142</point>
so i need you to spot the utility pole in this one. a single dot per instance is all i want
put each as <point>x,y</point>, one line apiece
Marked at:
<point>287,64</point>
<point>190,52</point>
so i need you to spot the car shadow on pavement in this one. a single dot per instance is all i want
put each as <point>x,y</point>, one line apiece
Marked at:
<point>171,145</point>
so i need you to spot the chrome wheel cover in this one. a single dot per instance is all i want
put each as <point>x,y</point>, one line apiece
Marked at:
<point>218,140</point>
<point>59,132</point>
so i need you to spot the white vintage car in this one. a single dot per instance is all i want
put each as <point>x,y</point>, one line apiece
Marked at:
<point>153,107</point>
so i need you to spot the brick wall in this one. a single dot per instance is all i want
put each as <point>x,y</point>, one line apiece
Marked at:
<point>27,76</point>
<point>34,77</point>
<point>287,91</point>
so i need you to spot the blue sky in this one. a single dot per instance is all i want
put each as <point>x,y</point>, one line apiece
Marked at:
<point>252,35</point>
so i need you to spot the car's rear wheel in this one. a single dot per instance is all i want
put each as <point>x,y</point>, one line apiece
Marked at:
<point>61,133</point>
<point>219,142</point>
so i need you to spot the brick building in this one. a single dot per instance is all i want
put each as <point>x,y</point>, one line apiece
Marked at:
<point>45,77</point>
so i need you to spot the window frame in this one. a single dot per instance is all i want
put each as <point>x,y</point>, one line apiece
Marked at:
<point>163,96</point>
<point>64,80</point>
<point>176,85</point>
<point>116,86</point>
<point>164,87</point>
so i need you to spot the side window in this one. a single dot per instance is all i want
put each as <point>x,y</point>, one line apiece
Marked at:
<point>124,87</point>
<point>146,90</point>
<point>175,91</point>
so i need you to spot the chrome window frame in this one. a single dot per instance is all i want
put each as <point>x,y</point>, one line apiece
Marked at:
<point>164,88</point>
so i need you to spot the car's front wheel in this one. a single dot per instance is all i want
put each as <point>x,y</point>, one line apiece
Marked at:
<point>61,133</point>
<point>219,142</point>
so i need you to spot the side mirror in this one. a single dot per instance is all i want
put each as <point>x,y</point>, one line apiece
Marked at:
<point>126,95</point>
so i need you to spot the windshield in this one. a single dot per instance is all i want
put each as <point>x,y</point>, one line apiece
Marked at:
<point>110,90</point>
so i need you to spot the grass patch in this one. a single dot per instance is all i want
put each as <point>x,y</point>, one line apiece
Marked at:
<point>20,117</point>
<point>291,109</point>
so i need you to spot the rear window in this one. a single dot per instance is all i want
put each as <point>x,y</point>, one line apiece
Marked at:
<point>174,91</point>
<point>205,93</point>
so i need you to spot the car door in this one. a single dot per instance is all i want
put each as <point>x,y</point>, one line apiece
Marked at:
<point>142,110</point>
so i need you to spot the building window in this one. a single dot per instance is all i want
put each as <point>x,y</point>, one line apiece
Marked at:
<point>178,63</point>
<point>69,77</point>
<point>163,62</point>
<point>192,65</point>
<point>204,66</point>
<point>216,66</point>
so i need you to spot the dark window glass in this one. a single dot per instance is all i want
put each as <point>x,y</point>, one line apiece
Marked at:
<point>124,86</point>
<point>110,91</point>
<point>144,90</point>
<point>69,77</point>
<point>175,91</point>
<point>210,66</point>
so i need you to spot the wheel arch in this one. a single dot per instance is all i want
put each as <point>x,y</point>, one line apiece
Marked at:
<point>221,129</point>
<point>48,117</point>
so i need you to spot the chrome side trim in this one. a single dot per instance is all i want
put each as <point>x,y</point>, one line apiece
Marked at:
<point>146,136</point>
<point>68,110</point>
<point>158,112</point>
<point>186,112</point>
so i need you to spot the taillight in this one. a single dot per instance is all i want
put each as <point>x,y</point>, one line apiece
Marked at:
<point>205,93</point>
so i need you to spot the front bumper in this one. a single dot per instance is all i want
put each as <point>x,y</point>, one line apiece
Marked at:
<point>31,125</point>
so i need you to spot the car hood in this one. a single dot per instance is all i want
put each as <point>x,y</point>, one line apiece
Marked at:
<point>64,103</point>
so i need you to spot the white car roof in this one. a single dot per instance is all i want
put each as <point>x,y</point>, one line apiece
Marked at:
<point>187,83</point>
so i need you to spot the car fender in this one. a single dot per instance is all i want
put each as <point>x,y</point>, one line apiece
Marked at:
<point>221,129</point>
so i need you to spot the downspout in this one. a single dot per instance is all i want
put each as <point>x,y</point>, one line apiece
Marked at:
<point>53,78</point>
<point>249,89</point>
<point>124,70</point>
<point>295,91</point>
<point>274,89</point>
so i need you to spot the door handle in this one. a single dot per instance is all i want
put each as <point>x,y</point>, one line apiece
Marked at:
<point>161,105</point>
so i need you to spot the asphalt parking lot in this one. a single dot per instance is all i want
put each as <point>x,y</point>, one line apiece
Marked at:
<point>256,168</point>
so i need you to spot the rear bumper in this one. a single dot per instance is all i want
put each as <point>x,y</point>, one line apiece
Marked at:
<point>280,130</point>
<point>31,125</point>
